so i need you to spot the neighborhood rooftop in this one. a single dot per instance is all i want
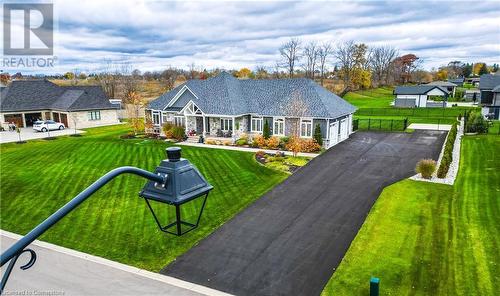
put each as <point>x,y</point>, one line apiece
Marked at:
<point>227,95</point>
<point>30,95</point>
<point>441,83</point>
<point>489,81</point>
<point>416,89</point>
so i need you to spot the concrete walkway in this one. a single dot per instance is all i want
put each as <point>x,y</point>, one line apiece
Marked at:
<point>291,240</point>
<point>62,271</point>
<point>430,126</point>
<point>28,133</point>
<point>245,149</point>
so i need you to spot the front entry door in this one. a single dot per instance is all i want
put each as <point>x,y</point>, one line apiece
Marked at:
<point>199,125</point>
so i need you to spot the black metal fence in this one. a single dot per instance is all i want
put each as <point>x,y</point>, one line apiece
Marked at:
<point>377,124</point>
<point>415,112</point>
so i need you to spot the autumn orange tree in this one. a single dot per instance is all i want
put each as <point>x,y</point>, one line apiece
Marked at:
<point>134,104</point>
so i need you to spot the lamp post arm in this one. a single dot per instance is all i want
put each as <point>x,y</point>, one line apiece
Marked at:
<point>19,247</point>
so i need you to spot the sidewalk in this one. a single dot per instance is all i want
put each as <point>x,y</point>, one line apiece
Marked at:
<point>245,149</point>
<point>62,271</point>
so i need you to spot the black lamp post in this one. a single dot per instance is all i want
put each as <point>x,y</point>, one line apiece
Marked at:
<point>184,183</point>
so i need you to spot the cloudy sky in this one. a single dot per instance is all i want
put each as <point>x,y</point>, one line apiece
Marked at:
<point>151,35</point>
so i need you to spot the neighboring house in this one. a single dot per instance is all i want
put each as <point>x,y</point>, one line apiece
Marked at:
<point>418,96</point>
<point>472,95</point>
<point>224,104</point>
<point>489,86</point>
<point>450,87</point>
<point>25,101</point>
<point>457,81</point>
<point>474,81</point>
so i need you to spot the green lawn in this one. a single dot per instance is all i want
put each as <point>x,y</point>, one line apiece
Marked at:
<point>432,239</point>
<point>372,98</point>
<point>39,177</point>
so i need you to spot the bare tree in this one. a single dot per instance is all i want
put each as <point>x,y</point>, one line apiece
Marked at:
<point>345,54</point>
<point>290,54</point>
<point>168,78</point>
<point>324,51</point>
<point>108,79</point>
<point>192,71</point>
<point>311,55</point>
<point>380,59</point>
<point>129,81</point>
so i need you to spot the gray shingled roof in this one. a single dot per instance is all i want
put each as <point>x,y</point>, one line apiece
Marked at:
<point>496,89</point>
<point>416,89</point>
<point>489,81</point>
<point>226,95</point>
<point>31,95</point>
<point>442,83</point>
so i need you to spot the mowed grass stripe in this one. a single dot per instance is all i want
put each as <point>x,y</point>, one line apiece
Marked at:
<point>432,239</point>
<point>41,176</point>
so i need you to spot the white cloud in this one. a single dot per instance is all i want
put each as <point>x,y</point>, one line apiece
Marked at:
<point>153,35</point>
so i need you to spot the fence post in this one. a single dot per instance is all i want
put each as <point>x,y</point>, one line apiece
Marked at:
<point>380,125</point>
<point>392,121</point>
<point>374,286</point>
<point>405,123</point>
<point>369,122</point>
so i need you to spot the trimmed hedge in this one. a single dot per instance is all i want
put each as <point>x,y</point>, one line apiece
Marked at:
<point>444,166</point>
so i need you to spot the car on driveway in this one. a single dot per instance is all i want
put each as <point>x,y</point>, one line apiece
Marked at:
<point>47,125</point>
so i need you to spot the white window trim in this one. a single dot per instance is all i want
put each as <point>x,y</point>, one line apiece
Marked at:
<point>261,119</point>
<point>275,120</point>
<point>90,116</point>
<point>304,120</point>
<point>229,124</point>
<point>182,118</point>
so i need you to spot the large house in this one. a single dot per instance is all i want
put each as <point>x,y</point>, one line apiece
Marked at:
<point>224,105</point>
<point>26,101</point>
<point>449,86</point>
<point>489,86</point>
<point>420,96</point>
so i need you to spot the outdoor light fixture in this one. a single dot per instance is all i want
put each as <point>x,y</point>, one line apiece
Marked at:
<point>184,183</point>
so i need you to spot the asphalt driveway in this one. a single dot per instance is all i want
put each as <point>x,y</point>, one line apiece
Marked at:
<point>27,133</point>
<point>290,241</point>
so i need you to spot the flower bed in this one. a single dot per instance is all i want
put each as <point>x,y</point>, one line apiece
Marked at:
<point>279,161</point>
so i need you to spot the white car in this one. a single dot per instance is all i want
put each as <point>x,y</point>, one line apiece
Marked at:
<point>47,125</point>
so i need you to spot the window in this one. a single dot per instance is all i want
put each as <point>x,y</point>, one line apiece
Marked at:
<point>180,121</point>
<point>256,124</point>
<point>156,117</point>
<point>94,115</point>
<point>164,117</point>
<point>226,124</point>
<point>279,126</point>
<point>306,128</point>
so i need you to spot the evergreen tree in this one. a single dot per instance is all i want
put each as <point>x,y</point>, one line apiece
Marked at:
<point>267,132</point>
<point>317,135</point>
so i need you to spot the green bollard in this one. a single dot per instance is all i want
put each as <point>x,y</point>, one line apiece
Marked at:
<point>374,286</point>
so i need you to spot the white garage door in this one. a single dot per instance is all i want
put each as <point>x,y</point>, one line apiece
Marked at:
<point>333,133</point>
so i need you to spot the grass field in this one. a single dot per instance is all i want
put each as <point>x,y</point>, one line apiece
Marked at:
<point>371,98</point>
<point>432,239</point>
<point>39,177</point>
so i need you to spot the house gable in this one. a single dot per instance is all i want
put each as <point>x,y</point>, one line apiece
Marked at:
<point>183,99</point>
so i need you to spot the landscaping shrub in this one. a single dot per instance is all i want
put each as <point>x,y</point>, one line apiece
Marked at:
<point>129,135</point>
<point>243,140</point>
<point>167,130</point>
<point>310,145</point>
<point>447,158</point>
<point>259,141</point>
<point>426,168</point>
<point>317,135</point>
<point>178,133</point>
<point>273,143</point>
<point>227,143</point>
<point>266,132</point>
<point>283,142</point>
<point>210,142</point>
<point>476,123</point>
